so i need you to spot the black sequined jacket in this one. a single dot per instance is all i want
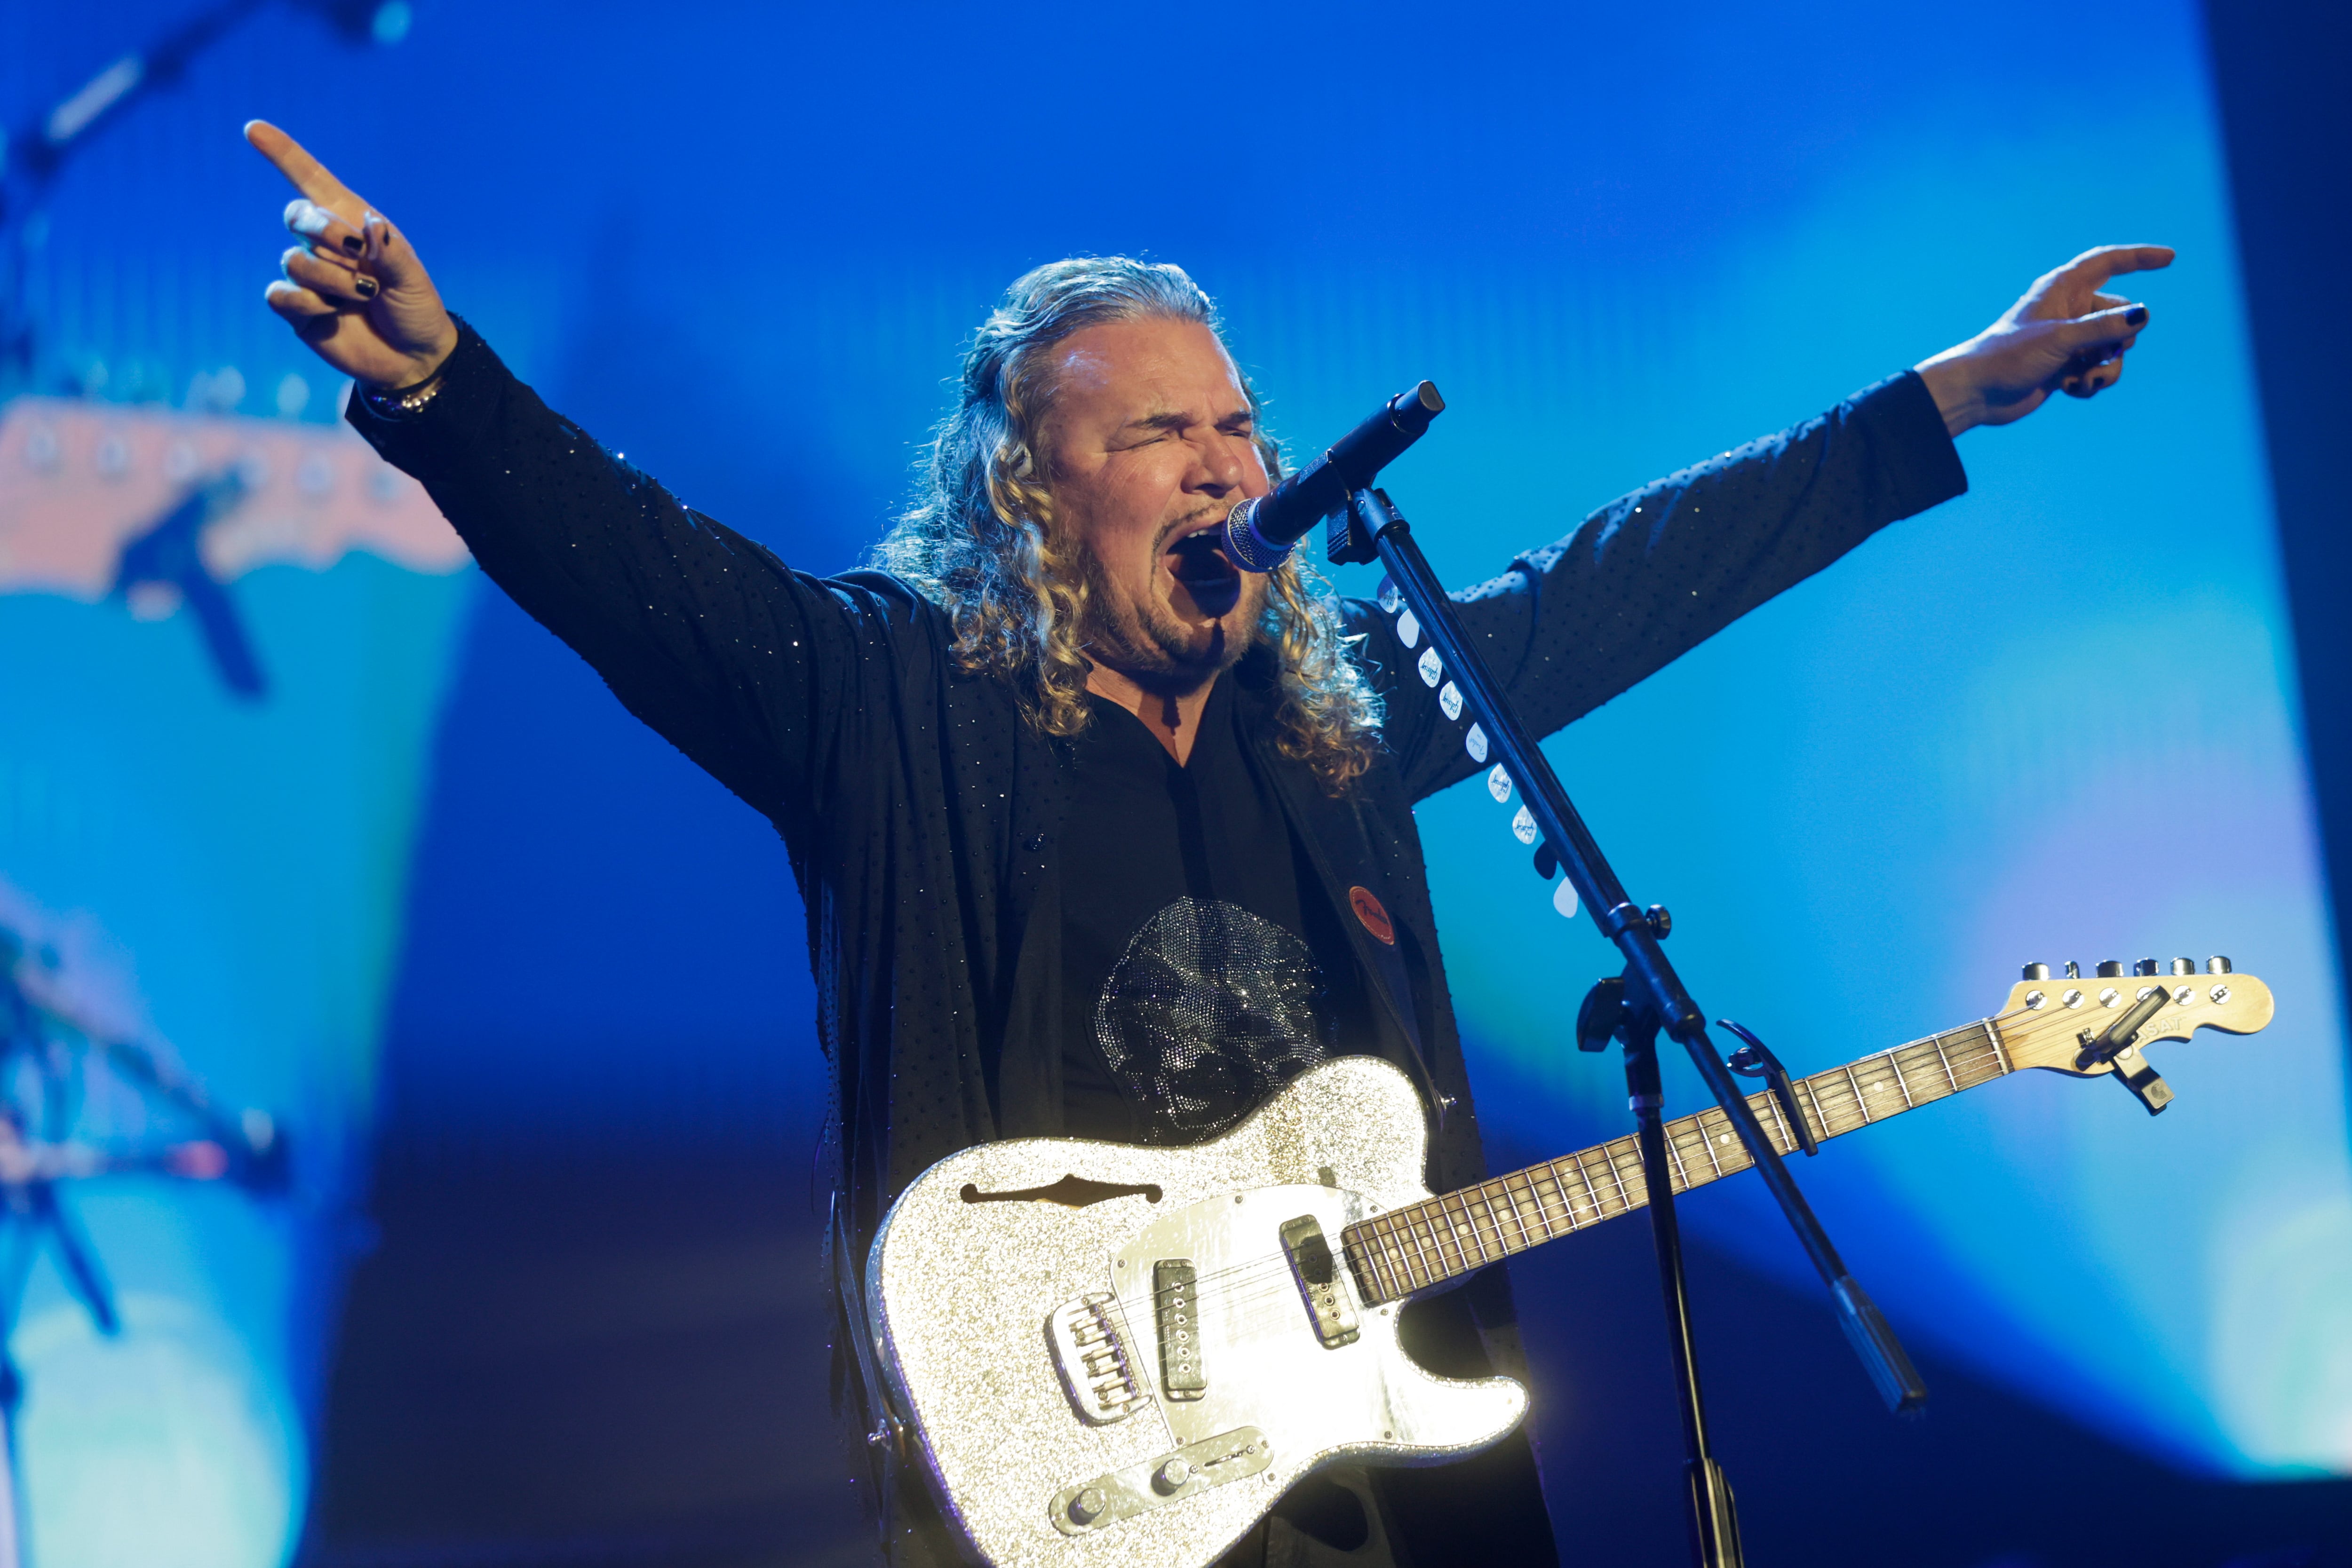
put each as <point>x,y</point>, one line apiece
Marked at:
<point>920,810</point>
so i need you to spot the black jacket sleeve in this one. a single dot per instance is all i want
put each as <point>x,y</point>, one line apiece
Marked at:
<point>1654,574</point>
<point>747,667</point>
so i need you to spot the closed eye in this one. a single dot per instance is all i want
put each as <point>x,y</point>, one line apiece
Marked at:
<point>1159,427</point>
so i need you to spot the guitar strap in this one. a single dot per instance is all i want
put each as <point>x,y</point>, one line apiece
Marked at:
<point>1340,850</point>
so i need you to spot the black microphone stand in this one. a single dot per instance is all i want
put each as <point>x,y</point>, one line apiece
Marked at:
<point>1633,1008</point>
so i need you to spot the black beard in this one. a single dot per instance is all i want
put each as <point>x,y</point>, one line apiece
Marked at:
<point>1148,645</point>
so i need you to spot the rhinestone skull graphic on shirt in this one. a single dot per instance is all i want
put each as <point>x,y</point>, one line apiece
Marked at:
<point>1209,1011</point>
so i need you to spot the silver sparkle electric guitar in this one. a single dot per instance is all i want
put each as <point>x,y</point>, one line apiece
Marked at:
<point>1111,1354</point>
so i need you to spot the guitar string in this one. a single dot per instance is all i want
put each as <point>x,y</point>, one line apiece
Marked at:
<point>1846,1108</point>
<point>1477,1233</point>
<point>1244,1285</point>
<point>1491,1235</point>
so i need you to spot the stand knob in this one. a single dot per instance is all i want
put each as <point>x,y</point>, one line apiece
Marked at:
<point>1662,925</point>
<point>2037,971</point>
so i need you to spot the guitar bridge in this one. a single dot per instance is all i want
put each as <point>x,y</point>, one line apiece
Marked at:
<point>1090,1353</point>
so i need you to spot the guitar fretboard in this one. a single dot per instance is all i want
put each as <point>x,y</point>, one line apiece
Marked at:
<point>1439,1238</point>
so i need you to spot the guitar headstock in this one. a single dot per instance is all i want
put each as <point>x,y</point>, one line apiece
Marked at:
<point>2069,1023</point>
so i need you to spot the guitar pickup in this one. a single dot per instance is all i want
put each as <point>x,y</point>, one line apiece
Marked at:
<point>1090,1353</point>
<point>1176,1304</point>
<point>1317,1273</point>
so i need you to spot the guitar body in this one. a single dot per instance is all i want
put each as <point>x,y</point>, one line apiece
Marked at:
<point>1096,1375</point>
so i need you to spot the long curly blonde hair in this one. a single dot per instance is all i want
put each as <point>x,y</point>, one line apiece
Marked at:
<point>982,541</point>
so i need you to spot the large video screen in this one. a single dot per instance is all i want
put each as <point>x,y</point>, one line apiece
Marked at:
<point>2053,720</point>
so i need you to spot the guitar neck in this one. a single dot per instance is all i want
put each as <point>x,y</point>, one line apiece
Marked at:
<point>1424,1244</point>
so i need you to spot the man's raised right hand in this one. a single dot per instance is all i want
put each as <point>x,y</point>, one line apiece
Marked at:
<point>353,288</point>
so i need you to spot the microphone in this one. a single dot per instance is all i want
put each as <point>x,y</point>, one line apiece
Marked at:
<point>1259,533</point>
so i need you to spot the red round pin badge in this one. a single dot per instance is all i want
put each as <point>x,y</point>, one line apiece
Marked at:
<point>1367,910</point>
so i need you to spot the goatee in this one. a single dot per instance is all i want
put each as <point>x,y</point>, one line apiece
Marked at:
<point>1147,643</point>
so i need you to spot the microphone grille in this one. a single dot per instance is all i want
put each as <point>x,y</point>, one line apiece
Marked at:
<point>1244,546</point>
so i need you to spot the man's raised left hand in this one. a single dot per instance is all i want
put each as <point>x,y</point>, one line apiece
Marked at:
<point>2066,334</point>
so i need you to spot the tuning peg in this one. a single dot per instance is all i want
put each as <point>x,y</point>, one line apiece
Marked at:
<point>2217,964</point>
<point>2073,970</point>
<point>2144,966</point>
<point>2184,966</point>
<point>2111,969</point>
<point>2037,971</point>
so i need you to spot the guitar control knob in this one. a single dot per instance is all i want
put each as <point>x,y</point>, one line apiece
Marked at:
<point>1170,1478</point>
<point>1088,1506</point>
<point>2217,964</point>
<point>2184,966</point>
<point>2037,971</point>
<point>2144,966</point>
<point>2110,969</point>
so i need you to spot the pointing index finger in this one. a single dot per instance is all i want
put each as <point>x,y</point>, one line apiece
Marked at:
<point>2095,266</point>
<point>304,173</point>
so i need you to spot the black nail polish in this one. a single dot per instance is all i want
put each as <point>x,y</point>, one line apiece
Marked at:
<point>2136,316</point>
<point>353,245</point>
<point>366,286</point>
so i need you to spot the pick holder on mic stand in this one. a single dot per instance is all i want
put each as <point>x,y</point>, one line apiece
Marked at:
<point>1632,1008</point>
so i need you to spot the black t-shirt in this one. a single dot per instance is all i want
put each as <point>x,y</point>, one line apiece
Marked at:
<point>1202,967</point>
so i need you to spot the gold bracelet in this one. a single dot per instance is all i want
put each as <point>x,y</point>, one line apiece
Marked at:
<point>402,402</point>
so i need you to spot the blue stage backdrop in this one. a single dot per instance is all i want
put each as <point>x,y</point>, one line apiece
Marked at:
<point>2055,719</point>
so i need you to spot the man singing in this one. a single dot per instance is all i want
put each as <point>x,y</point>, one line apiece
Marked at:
<point>1100,837</point>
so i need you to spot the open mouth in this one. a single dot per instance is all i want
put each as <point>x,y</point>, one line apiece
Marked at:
<point>1198,562</point>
